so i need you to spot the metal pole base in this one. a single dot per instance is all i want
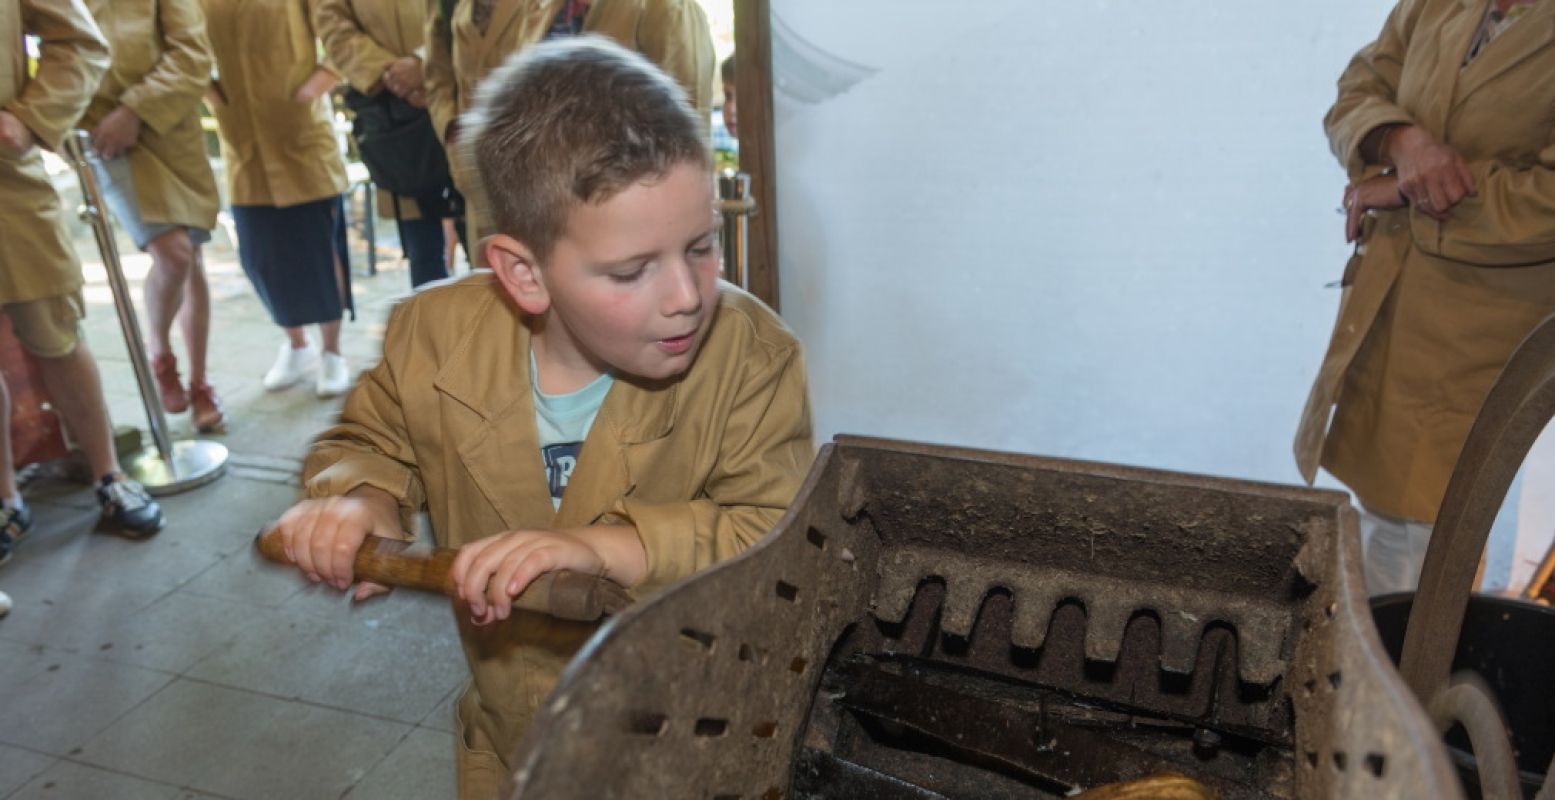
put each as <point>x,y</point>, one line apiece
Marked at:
<point>195,463</point>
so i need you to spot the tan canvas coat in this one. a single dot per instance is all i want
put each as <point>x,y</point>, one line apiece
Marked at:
<point>1431,310</point>
<point>278,152</point>
<point>36,259</point>
<point>671,33</point>
<point>361,38</point>
<point>702,466</point>
<point>161,68</point>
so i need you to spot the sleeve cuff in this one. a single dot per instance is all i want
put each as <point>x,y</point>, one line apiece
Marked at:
<point>668,534</point>
<point>341,477</point>
<point>47,138</point>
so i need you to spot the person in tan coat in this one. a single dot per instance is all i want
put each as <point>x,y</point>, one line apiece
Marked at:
<point>1444,126</point>
<point>40,276</point>
<point>377,45</point>
<point>285,178</point>
<point>150,160</point>
<point>599,401</point>
<point>480,34</point>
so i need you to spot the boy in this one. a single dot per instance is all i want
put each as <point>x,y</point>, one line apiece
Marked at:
<point>597,402</point>
<point>40,276</point>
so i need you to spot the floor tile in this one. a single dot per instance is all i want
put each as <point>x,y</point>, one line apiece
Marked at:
<point>243,745</point>
<point>71,781</point>
<point>171,634</point>
<point>420,768</point>
<point>245,577</point>
<point>18,766</point>
<point>71,701</point>
<point>344,663</point>
<point>442,717</point>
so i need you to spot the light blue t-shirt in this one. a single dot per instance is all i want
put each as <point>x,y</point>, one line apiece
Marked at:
<point>563,421</point>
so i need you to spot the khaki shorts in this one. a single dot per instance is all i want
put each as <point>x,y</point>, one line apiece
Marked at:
<point>49,327</point>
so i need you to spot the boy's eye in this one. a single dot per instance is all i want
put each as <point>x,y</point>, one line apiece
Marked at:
<point>705,248</point>
<point>628,276</point>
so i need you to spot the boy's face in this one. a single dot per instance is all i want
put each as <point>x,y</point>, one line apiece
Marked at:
<point>632,284</point>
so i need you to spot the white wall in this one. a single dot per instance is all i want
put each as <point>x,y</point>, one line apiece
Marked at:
<point>1092,228</point>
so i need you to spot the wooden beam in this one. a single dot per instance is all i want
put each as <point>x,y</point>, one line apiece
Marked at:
<point>753,85</point>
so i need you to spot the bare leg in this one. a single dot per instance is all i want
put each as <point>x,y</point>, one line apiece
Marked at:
<point>330,333</point>
<point>297,337</point>
<point>194,318</point>
<point>174,259</point>
<point>76,390</point>
<point>7,469</point>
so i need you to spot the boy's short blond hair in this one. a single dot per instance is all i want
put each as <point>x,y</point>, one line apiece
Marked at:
<point>575,121</point>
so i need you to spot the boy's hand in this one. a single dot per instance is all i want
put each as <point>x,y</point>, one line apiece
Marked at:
<point>15,137</point>
<point>117,133</point>
<point>491,572</point>
<point>322,536</point>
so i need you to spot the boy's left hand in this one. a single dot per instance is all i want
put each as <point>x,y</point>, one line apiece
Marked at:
<point>491,572</point>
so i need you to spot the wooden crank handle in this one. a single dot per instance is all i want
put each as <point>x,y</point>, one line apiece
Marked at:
<point>565,594</point>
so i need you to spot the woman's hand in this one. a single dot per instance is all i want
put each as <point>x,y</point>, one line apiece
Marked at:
<point>1379,192</point>
<point>317,84</point>
<point>403,76</point>
<point>1431,175</point>
<point>15,137</point>
<point>117,133</point>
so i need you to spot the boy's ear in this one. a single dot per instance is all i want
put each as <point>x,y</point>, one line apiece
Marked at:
<point>517,270</point>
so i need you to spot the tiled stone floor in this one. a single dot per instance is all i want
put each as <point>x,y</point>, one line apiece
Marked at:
<point>183,667</point>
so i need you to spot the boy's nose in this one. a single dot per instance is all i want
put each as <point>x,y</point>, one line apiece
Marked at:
<point>682,296</point>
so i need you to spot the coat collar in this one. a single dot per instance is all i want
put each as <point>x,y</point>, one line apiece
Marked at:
<point>488,373</point>
<point>1528,35</point>
<point>503,17</point>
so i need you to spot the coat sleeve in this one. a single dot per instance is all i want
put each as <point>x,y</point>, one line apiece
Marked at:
<point>357,54</point>
<point>1509,222</point>
<point>173,87</point>
<point>311,13</point>
<point>674,35</point>
<point>72,59</point>
<point>370,445</point>
<point>1368,87</point>
<point>764,456</point>
<point>437,72</point>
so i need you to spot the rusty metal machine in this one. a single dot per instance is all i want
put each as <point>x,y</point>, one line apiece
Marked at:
<point>934,622</point>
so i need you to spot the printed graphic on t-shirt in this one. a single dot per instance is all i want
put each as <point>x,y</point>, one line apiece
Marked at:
<point>560,460</point>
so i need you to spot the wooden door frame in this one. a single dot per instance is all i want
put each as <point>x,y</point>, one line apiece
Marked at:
<point>753,86</point>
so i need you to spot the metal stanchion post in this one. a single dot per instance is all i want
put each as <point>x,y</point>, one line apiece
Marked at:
<point>168,467</point>
<point>736,205</point>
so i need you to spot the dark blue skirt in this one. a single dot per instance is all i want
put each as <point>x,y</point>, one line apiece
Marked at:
<point>288,254</point>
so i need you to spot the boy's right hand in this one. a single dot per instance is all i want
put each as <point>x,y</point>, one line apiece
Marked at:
<point>322,536</point>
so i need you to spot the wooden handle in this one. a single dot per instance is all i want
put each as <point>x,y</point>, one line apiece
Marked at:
<point>564,595</point>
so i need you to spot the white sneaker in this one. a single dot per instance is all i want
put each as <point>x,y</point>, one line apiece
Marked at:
<point>5,604</point>
<point>291,363</point>
<point>334,375</point>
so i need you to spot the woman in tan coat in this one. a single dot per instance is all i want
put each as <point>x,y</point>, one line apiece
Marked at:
<point>481,34</point>
<point>285,177</point>
<point>376,44</point>
<point>151,162</point>
<point>1445,126</point>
